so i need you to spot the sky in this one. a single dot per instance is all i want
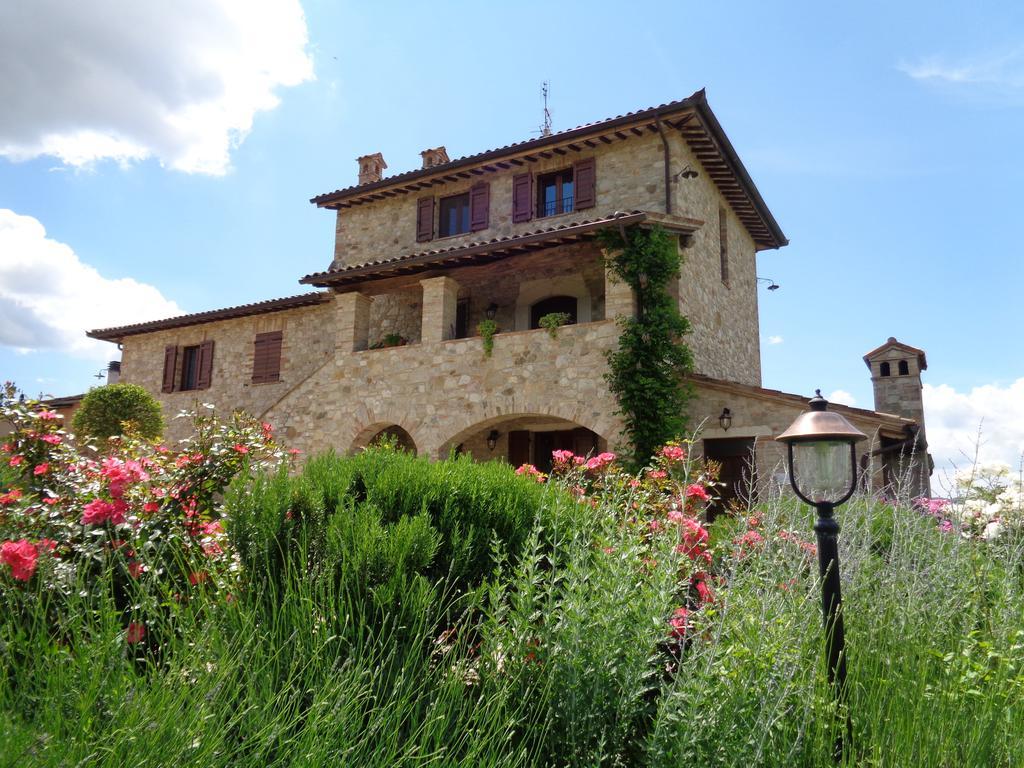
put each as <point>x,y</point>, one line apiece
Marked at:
<point>158,158</point>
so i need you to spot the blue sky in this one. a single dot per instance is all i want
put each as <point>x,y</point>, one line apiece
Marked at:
<point>885,137</point>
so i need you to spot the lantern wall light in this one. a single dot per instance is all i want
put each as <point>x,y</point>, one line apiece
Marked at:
<point>725,419</point>
<point>492,439</point>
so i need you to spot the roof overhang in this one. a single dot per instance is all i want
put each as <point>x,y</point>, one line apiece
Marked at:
<point>692,117</point>
<point>887,424</point>
<point>498,248</point>
<point>228,313</point>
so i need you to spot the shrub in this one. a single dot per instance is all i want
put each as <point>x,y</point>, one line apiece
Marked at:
<point>135,524</point>
<point>117,409</point>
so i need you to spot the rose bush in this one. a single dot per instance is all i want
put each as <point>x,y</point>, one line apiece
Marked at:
<point>139,522</point>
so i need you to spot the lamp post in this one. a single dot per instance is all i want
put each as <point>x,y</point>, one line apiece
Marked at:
<point>822,460</point>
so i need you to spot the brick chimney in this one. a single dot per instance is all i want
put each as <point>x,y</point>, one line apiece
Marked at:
<point>371,168</point>
<point>432,157</point>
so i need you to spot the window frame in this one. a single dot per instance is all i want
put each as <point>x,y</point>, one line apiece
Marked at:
<point>559,177</point>
<point>189,354</point>
<point>466,217</point>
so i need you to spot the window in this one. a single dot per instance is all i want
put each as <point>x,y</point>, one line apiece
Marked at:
<point>189,368</point>
<point>884,369</point>
<point>266,358</point>
<point>566,304</point>
<point>555,193</point>
<point>904,369</point>
<point>723,243</point>
<point>454,215</point>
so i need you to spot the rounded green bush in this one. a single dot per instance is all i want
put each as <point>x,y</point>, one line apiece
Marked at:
<point>105,411</point>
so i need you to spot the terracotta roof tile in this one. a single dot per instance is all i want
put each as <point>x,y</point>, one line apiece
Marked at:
<point>242,310</point>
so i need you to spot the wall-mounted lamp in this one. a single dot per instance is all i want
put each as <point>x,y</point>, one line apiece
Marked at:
<point>686,173</point>
<point>492,440</point>
<point>491,311</point>
<point>725,419</point>
<point>772,285</point>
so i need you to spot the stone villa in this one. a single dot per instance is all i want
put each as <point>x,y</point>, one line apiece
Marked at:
<point>388,343</point>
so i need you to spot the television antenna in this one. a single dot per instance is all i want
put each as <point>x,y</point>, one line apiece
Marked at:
<point>545,89</point>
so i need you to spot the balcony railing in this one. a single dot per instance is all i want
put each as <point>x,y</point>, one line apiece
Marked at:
<point>555,206</point>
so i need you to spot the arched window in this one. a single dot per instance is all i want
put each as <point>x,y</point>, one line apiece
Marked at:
<point>904,368</point>
<point>401,439</point>
<point>566,304</point>
<point>884,369</point>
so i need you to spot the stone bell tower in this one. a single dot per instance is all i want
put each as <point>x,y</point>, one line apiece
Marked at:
<point>896,377</point>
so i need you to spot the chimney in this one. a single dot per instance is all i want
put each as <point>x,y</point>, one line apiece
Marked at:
<point>114,372</point>
<point>371,168</point>
<point>432,157</point>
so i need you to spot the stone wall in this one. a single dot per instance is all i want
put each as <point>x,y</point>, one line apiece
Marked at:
<point>726,340</point>
<point>443,393</point>
<point>308,341</point>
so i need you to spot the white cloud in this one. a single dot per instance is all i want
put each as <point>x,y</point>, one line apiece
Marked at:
<point>953,420</point>
<point>49,298</point>
<point>842,397</point>
<point>1004,70</point>
<point>177,81</point>
<point>774,339</point>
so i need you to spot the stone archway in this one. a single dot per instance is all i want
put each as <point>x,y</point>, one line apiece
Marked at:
<point>524,438</point>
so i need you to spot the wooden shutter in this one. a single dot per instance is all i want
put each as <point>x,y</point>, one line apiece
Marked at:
<point>479,206</point>
<point>205,365</point>
<point>266,358</point>
<point>522,197</point>
<point>518,447</point>
<point>585,178</point>
<point>424,219</point>
<point>170,367</point>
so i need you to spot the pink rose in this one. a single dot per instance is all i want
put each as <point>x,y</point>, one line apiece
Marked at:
<point>21,555</point>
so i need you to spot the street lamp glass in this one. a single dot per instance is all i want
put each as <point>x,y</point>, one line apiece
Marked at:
<point>821,469</point>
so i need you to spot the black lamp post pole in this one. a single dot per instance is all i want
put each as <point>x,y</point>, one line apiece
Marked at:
<point>827,530</point>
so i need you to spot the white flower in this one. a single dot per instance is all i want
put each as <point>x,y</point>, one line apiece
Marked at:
<point>992,531</point>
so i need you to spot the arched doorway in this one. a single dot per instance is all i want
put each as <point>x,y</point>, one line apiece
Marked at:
<point>525,439</point>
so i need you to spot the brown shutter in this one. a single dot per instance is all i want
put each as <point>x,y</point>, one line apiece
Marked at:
<point>170,366</point>
<point>518,447</point>
<point>585,178</point>
<point>424,219</point>
<point>479,206</point>
<point>205,365</point>
<point>522,197</point>
<point>266,358</point>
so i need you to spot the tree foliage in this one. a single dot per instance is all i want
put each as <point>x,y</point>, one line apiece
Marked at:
<point>648,369</point>
<point>106,411</point>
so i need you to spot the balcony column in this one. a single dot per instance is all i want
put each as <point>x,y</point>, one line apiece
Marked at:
<point>619,300</point>
<point>352,318</point>
<point>440,300</point>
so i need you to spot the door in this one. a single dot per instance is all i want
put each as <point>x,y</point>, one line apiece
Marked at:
<point>738,474</point>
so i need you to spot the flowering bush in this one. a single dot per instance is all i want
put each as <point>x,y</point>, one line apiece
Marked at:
<point>987,503</point>
<point>138,521</point>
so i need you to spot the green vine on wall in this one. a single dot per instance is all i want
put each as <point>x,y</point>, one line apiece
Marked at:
<point>487,328</point>
<point>648,369</point>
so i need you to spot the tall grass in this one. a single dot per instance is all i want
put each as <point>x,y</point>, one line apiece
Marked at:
<point>394,612</point>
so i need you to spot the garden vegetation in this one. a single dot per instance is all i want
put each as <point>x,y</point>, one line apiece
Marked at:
<point>214,604</point>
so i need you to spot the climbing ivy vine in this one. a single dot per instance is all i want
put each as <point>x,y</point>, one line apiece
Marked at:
<point>647,370</point>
